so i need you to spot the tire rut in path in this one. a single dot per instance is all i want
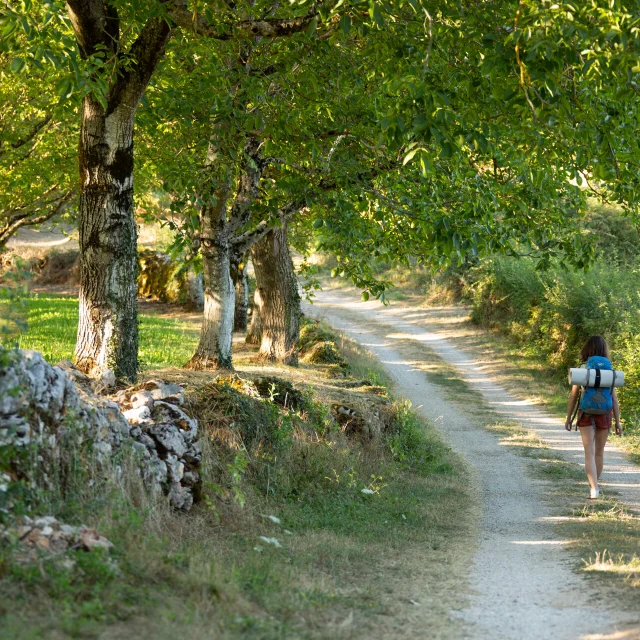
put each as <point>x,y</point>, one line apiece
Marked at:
<point>521,584</point>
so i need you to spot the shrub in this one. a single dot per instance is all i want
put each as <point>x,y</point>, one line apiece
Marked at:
<point>311,333</point>
<point>505,291</point>
<point>325,353</point>
<point>615,236</point>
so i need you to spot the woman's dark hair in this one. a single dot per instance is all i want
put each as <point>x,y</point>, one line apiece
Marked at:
<point>594,346</point>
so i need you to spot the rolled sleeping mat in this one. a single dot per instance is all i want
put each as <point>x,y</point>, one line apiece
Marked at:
<point>579,376</point>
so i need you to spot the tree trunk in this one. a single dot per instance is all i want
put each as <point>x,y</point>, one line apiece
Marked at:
<point>241,280</point>
<point>214,350</point>
<point>254,332</point>
<point>280,300</point>
<point>195,291</point>
<point>108,323</point>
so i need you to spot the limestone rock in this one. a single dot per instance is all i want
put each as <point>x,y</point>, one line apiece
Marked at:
<point>165,391</point>
<point>138,415</point>
<point>180,498</point>
<point>141,398</point>
<point>47,534</point>
<point>169,437</point>
<point>165,412</point>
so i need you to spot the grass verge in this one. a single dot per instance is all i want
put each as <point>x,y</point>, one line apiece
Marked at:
<point>52,323</point>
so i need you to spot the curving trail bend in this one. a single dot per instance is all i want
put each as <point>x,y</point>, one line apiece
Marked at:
<point>521,585</point>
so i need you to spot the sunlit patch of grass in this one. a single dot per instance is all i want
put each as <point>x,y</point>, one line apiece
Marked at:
<point>52,323</point>
<point>620,564</point>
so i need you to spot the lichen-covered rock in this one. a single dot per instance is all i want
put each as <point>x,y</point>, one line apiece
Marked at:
<point>138,414</point>
<point>140,399</point>
<point>169,438</point>
<point>166,412</point>
<point>181,498</point>
<point>168,391</point>
<point>38,400</point>
<point>47,534</point>
<point>166,436</point>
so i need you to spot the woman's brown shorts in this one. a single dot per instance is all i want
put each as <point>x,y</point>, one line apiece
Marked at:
<point>601,422</point>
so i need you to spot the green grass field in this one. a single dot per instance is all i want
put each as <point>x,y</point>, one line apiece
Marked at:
<point>52,323</point>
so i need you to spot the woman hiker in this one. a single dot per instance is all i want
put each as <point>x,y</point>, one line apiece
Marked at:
<point>594,429</point>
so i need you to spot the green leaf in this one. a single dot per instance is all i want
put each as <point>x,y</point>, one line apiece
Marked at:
<point>313,25</point>
<point>448,150</point>
<point>345,23</point>
<point>18,65</point>
<point>317,224</point>
<point>9,28</point>
<point>64,88</point>
<point>409,156</point>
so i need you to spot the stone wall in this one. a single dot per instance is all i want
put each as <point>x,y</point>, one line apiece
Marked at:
<point>40,403</point>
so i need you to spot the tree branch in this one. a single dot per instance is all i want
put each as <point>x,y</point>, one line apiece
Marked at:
<point>24,219</point>
<point>248,188</point>
<point>265,28</point>
<point>146,51</point>
<point>95,23</point>
<point>243,242</point>
<point>37,127</point>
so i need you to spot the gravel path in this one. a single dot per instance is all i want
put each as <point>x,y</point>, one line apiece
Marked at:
<point>522,585</point>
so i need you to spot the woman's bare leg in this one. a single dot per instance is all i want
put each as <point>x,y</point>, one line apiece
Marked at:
<point>601,440</point>
<point>589,444</point>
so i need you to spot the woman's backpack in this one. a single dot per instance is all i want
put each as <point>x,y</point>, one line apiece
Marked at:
<point>597,400</point>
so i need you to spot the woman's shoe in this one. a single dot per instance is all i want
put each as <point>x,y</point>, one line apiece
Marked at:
<point>595,494</point>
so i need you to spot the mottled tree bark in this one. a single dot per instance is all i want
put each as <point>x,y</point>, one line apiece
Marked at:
<point>279,298</point>
<point>241,282</point>
<point>108,323</point>
<point>218,231</point>
<point>214,349</point>
<point>254,332</point>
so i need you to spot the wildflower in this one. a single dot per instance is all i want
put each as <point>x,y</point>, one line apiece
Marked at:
<point>273,541</point>
<point>272,518</point>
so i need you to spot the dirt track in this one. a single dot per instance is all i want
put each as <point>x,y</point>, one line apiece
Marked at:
<point>521,584</point>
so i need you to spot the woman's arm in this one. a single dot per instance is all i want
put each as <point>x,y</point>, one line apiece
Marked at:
<point>573,398</point>
<point>616,412</point>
